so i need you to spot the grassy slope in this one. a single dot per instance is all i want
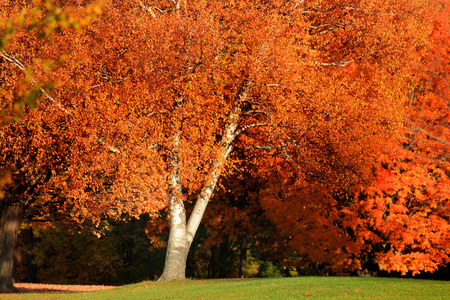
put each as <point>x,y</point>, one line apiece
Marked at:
<point>282,288</point>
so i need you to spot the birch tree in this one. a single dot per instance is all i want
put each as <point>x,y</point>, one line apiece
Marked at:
<point>157,95</point>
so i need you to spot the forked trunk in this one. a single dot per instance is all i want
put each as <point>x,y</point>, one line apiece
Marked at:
<point>9,229</point>
<point>182,235</point>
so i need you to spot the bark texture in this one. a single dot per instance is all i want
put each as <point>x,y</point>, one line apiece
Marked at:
<point>229,135</point>
<point>9,229</point>
<point>177,246</point>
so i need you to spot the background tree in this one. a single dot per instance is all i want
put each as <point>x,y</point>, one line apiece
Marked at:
<point>401,222</point>
<point>294,79</point>
<point>66,253</point>
<point>31,153</point>
<point>428,118</point>
<point>412,191</point>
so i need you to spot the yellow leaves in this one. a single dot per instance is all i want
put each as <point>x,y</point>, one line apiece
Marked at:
<point>95,8</point>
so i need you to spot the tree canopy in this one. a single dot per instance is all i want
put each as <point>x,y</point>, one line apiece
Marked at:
<point>153,101</point>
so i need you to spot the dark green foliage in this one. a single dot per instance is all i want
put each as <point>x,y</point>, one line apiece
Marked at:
<point>269,270</point>
<point>64,255</point>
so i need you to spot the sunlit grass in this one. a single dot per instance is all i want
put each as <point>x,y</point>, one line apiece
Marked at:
<point>279,288</point>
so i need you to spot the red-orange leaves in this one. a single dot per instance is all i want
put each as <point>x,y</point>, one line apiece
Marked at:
<point>161,98</point>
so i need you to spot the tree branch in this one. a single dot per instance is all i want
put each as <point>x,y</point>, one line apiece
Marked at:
<point>416,129</point>
<point>250,126</point>
<point>256,111</point>
<point>261,147</point>
<point>217,165</point>
<point>338,64</point>
<point>149,9</point>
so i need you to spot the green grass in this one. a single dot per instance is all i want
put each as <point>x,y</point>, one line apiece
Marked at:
<point>279,288</point>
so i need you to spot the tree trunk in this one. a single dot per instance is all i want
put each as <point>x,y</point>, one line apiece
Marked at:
<point>29,245</point>
<point>212,267</point>
<point>177,246</point>
<point>182,235</point>
<point>243,256</point>
<point>214,172</point>
<point>9,229</point>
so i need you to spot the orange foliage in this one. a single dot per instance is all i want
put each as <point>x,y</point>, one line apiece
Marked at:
<point>401,222</point>
<point>118,88</point>
<point>415,188</point>
<point>144,92</point>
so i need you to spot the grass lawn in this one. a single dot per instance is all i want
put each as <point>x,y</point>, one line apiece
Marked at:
<point>279,288</point>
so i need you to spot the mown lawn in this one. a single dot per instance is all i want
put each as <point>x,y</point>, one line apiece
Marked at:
<point>280,288</point>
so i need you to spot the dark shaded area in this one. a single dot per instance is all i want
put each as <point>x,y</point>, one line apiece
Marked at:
<point>443,273</point>
<point>67,254</point>
<point>63,253</point>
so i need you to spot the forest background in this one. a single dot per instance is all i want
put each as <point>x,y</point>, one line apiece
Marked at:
<point>272,216</point>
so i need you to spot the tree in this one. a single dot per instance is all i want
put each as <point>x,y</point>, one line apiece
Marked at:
<point>428,118</point>
<point>290,81</point>
<point>400,223</point>
<point>423,167</point>
<point>30,154</point>
<point>412,191</point>
<point>67,253</point>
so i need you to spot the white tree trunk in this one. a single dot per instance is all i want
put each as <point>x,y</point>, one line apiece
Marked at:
<point>181,236</point>
<point>177,246</point>
<point>213,176</point>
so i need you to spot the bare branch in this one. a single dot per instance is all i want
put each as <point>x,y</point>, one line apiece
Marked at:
<point>353,8</point>
<point>338,64</point>
<point>256,111</point>
<point>17,63</point>
<point>158,9</point>
<point>149,9</point>
<point>176,4</point>
<point>288,157</point>
<point>274,84</point>
<point>416,129</point>
<point>250,126</point>
<point>260,147</point>
<point>102,142</point>
<point>323,25</point>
